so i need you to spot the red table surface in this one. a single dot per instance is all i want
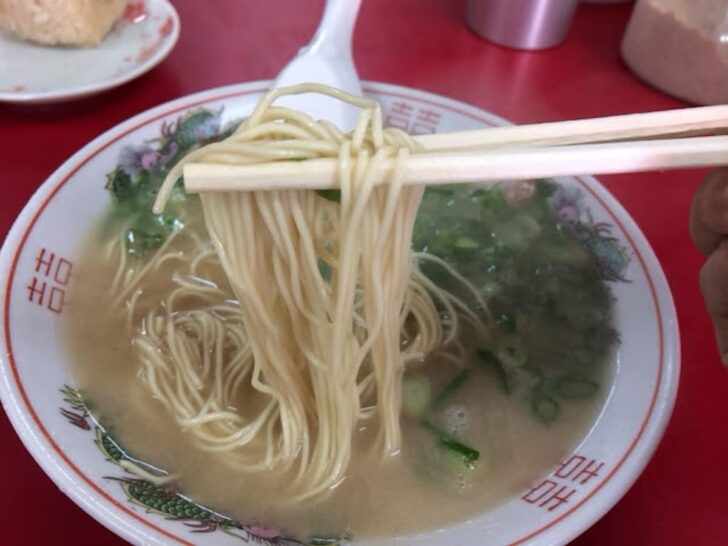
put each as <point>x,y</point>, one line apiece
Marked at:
<point>682,496</point>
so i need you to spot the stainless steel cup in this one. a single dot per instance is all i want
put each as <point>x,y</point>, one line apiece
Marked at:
<point>521,24</point>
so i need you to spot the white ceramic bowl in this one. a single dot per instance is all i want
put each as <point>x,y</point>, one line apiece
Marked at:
<point>37,258</point>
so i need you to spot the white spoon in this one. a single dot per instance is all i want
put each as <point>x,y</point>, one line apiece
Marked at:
<point>326,59</point>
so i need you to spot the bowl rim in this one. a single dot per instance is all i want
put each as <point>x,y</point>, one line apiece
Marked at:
<point>36,437</point>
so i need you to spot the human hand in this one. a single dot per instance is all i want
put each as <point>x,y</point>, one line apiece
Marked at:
<point>709,231</point>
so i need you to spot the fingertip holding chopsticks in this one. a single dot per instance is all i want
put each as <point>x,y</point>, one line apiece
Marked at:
<point>671,139</point>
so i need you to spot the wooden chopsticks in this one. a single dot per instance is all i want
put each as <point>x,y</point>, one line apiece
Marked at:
<point>680,122</point>
<point>616,144</point>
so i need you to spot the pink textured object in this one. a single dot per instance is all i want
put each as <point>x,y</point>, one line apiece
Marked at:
<point>521,24</point>
<point>680,47</point>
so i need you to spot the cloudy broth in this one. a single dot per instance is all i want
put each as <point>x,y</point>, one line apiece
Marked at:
<point>518,400</point>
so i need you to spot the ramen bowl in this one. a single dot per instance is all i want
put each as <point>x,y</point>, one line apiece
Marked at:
<point>85,461</point>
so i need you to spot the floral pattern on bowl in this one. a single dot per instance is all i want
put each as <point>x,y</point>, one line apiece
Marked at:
<point>157,496</point>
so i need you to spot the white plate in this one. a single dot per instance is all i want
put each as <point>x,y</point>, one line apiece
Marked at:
<point>31,73</point>
<point>558,506</point>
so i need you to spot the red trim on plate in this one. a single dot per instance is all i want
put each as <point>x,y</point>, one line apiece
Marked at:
<point>208,98</point>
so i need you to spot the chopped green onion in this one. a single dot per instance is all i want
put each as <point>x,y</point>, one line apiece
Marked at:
<point>506,322</point>
<point>301,158</point>
<point>493,201</point>
<point>452,385</point>
<point>445,440</point>
<point>332,540</point>
<point>490,289</point>
<point>330,195</point>
<point>416,395</point>
<point>324,269</point>
<point>178,190</point>
<point>511,352</point>
<point>487,357</point>
<point>139,242</point>
<point>517,233</point>
<point>167,222</point>
<point>453,464</point>
<point>527,225</point>
<point>447,189</point>
<point>120,184</point>
<point>545,188</point>
<point>544,408</point>
<point>466,243</point>
<point>576,387</point>
<point>324,541</point>
<point>531,376</point>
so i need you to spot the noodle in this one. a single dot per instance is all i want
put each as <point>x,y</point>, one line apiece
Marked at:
<point>331,304</point>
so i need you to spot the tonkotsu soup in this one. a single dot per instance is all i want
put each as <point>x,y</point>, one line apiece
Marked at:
<point>475,431</point>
